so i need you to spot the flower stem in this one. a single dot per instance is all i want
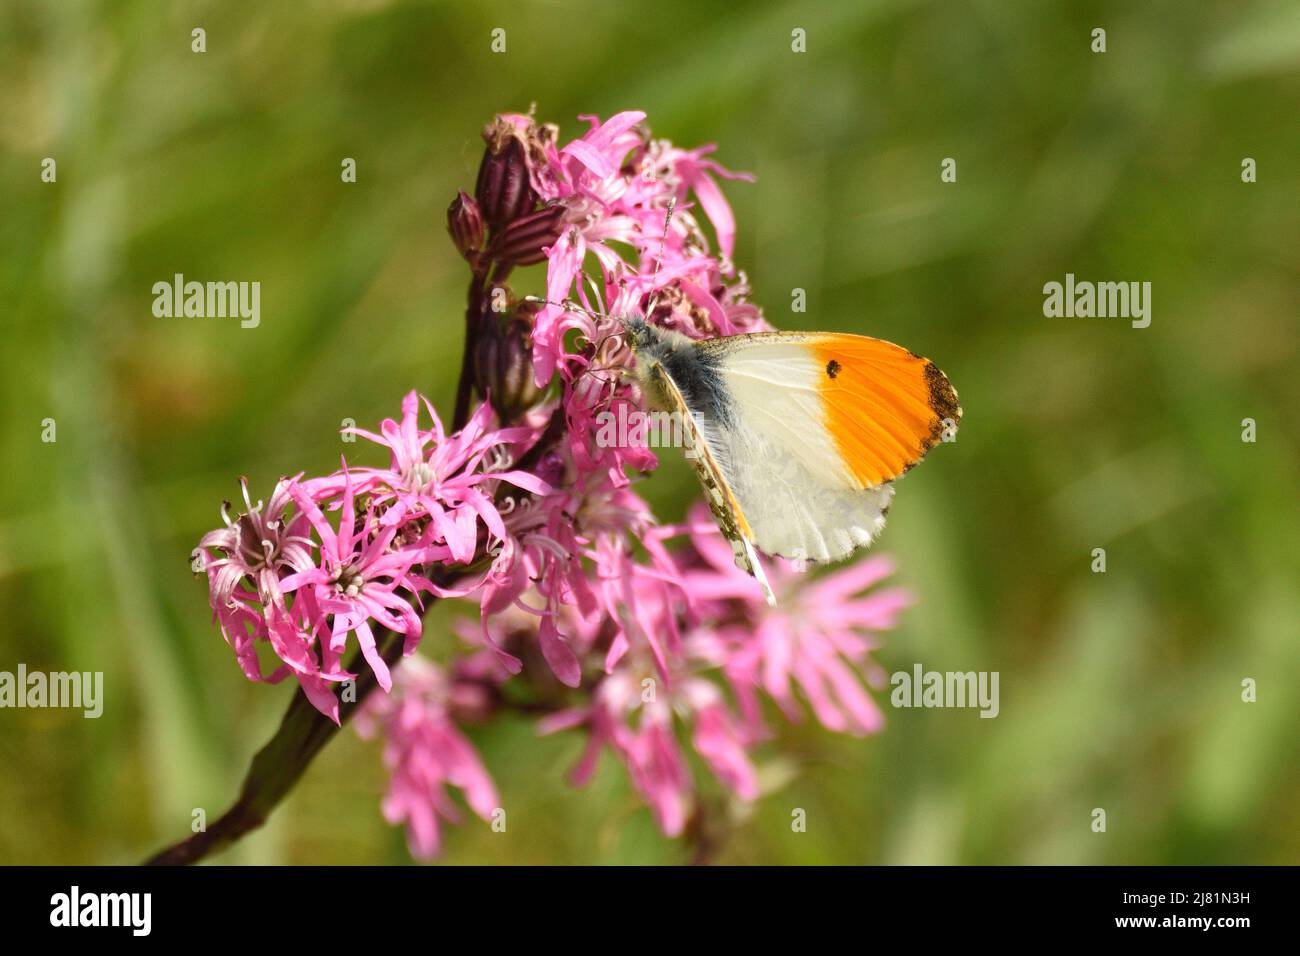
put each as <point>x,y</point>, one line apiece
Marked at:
<point>474,310</point>
<point>278,766</point>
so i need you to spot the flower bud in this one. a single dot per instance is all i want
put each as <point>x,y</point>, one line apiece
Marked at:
<point>465,223</point>
<point>503,363</point>
<point>521,242</point>
<point>504,191</point>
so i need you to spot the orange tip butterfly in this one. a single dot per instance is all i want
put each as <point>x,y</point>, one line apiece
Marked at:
<point>796,437</point>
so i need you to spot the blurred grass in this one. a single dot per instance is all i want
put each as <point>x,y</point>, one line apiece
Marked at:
<point>1119,690</point>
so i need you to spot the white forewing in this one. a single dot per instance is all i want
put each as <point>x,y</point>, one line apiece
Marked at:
<point>780,460</point>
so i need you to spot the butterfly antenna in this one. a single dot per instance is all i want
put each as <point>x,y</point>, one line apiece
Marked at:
<point>573,306</point>
<point>654,276</point>
<point>569,305</point>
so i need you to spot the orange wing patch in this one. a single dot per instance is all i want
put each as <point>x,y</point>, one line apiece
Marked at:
<point>885,406</point>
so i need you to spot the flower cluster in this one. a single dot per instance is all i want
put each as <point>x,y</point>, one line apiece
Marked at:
<point>284,575</point>
<point>818,640</point>
<point>643,636</point>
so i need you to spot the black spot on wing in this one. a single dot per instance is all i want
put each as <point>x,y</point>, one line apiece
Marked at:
<point>832,368</point>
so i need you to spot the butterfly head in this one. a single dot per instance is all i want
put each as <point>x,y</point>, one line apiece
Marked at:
<point>651,344</point>
<point>637,333</point>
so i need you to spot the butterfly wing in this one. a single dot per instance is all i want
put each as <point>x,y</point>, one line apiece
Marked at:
<point>817,427</point>
<point>717,488</point>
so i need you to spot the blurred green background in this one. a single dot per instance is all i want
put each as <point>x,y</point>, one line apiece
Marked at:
<point>1118,690</point>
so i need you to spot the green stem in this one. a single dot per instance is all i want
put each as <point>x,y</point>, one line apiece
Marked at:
<point>278,766</point>
<point>474,310</point>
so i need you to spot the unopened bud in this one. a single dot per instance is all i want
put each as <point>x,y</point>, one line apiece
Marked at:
<point>504,191</point>
<point>465,223</point>
<point>504,365</point>
<point>522,242</point>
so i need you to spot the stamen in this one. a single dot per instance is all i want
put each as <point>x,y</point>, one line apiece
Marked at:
<point>420,476</point>
<point>348,581</point>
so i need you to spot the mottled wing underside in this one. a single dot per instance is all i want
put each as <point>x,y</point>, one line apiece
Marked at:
<point>717,491</point>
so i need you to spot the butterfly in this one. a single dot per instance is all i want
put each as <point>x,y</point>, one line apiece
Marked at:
<point>796,437</point>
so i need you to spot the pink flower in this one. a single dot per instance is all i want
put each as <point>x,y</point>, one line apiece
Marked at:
<point>694,172</point>
<point>425,754</point>
<point>269,581</point>
<point>359,577</point>
<point>818,638</point>
<point>634,714</point>
<point>617,187</point>
<point>720,740</point>
<point>569,563</point>
<point>245,590</point>
<point>444,482</point>
<point>256,547</point>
